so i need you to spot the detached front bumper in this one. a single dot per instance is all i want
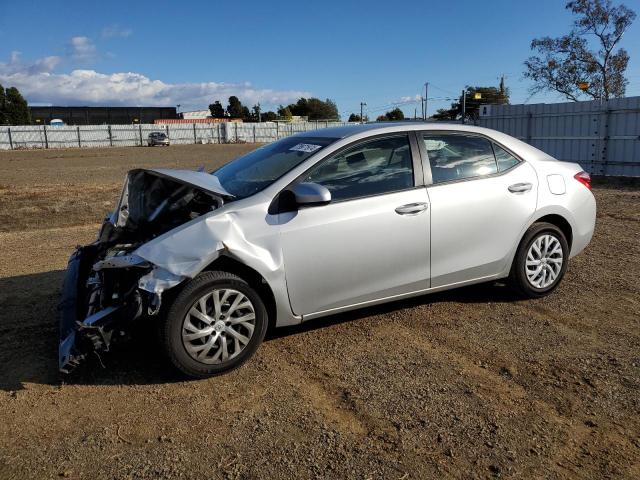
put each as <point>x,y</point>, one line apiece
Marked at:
<point>100,297</point>
<point>79,336</point>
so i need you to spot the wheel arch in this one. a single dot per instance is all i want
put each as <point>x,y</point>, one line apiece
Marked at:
<point>253,278</point>
<point>552,217</point>
<point>559,221</point>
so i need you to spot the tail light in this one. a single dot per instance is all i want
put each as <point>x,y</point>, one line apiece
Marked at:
<point>584,178</point>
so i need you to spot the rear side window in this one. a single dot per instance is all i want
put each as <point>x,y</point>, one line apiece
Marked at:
<point>505,159</point>
<point>458,157</point>
<point>371,168</point>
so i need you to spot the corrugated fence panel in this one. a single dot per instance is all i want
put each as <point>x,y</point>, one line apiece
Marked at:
<point>603,137</point>
<point>40,136</point>
<point>182,134</point>
<point>94,136</point>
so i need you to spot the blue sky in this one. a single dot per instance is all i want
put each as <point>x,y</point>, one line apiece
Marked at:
<point>191,53</point>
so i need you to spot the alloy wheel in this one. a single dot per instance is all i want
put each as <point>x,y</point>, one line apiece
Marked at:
<point>544,261</point>
<point>218,326</point>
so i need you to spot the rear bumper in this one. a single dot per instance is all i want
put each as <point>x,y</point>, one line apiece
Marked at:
<point>584,216</point>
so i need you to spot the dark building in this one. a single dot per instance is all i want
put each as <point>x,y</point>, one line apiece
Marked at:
<point>101,115</point>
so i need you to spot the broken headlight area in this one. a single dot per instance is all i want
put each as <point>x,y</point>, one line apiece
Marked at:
<point>107,286</point>
<point>154,202</point>
<point>100,300</point>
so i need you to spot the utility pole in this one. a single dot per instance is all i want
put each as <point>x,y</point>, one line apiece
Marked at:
<point>464,104</point>
<point>422,106</point>
<point>426,99</point>
<point>259,113</point>
<point>362,105</point>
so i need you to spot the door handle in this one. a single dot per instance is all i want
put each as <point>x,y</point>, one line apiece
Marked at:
<point>520,187</point>
<point>411,208</point>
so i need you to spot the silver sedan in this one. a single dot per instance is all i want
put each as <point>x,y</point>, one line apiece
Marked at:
<point>320,223</point>
<point>157,138</point>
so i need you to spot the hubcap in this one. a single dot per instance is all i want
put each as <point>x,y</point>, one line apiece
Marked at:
<point>544,261</point>
<point>218,326</point>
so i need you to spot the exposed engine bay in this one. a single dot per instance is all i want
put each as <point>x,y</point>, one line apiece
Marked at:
<point>107,286</point>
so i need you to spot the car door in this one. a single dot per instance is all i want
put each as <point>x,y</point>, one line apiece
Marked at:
<point>482,198</point>
<point>372,240</point>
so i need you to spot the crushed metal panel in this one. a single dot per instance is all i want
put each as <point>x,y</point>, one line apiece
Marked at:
<point>187,250</point>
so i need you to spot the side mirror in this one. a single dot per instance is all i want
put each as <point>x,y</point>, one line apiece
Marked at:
<point>307,194</point>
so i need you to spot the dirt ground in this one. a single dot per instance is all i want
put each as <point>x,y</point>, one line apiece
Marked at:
<point>472,383</point>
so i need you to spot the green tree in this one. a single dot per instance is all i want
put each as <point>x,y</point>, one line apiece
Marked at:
<point>474,97</point>
<point>300,108</point>
<point>315,109</point>
<point>584,62</point>
<point>16,108</point>
<point>255,113</point>
<point>284,113</point>
<point>354,117</point>
<point>445,114</point>
<point>393,115</point>
<point>269,116</point>
<point>216,109</point>
<point>235,109</point>
<point>3,113</point>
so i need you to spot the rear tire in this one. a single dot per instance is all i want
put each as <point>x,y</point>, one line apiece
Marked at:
<point>214,325</point>
<point>540,261</point>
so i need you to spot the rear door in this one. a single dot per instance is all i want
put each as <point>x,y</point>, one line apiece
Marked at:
<point>372,240</point>
<point>482,197</point>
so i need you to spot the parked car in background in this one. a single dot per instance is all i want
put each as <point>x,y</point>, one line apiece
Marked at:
<point>320,223</point>
<point>157,138</point>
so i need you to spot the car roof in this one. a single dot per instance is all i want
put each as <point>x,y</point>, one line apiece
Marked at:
<point>361,131</point>
<point>390,127</point>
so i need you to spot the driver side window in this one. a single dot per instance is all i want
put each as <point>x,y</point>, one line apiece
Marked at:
<point>373,168</point>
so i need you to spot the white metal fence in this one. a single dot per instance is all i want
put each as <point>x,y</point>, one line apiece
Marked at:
<point>43,136</point>
<point>603,137</point>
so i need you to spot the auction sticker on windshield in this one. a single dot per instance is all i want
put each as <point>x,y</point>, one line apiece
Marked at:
<point>305,147</point>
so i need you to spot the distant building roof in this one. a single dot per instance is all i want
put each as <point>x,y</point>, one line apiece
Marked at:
<point>93,115</point>
<point>196,114</point>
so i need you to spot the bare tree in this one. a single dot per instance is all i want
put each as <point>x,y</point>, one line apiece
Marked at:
<point>570,66</point>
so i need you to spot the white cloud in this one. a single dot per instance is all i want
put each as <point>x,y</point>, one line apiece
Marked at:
<point>414,98</point>
<point>83,50</point>
<point>42,65</point>
<point>114,31</point>
<point>40,84</point>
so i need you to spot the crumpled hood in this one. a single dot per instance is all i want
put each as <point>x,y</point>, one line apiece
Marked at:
<point>199,179</point>
<point>154,201</point>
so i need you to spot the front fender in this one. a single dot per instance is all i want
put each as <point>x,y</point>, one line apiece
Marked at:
<point>189,249</point>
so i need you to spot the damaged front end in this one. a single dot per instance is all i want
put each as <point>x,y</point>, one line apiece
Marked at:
<point>108,286</point>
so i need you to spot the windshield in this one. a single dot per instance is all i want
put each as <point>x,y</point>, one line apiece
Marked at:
<point>257,170</point>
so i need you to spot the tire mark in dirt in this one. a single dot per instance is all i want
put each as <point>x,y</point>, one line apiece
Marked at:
<point>329,405</point>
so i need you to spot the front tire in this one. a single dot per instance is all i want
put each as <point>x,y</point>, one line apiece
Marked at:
<point>214,325</point>
<point>541,260</point>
